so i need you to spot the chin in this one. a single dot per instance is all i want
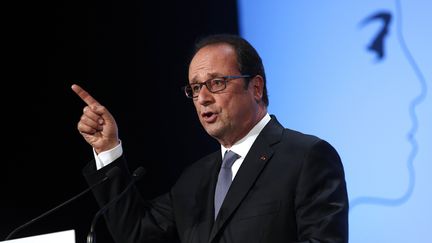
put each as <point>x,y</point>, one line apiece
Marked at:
<point>213,130</point>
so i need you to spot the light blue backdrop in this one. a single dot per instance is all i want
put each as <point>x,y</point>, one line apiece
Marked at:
<point>375,110</point>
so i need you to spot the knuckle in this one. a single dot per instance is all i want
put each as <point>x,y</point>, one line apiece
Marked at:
<point>82,118</point>
<point>102,108</point>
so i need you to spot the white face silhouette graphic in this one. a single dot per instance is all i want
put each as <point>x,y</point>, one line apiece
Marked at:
<point>374,106</point>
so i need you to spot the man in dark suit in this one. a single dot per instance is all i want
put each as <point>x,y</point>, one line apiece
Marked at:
<point>279,185</point>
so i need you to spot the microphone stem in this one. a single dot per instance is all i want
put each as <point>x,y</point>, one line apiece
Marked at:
<point>53,210</point>
<point>105,207</point>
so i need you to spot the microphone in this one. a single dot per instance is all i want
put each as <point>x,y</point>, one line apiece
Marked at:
<point>136,175</point>
<point>109,175</point>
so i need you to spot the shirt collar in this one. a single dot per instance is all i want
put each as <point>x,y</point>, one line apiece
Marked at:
<point>243,146</point>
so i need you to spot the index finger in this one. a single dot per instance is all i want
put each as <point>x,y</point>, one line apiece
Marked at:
<point>84,95</point>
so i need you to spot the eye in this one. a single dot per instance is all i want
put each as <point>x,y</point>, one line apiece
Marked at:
<point>218,82</point>
<point>195,88</point>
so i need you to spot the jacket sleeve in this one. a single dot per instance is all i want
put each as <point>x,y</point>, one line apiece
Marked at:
<point>132,219</point>
<point>321,197</point>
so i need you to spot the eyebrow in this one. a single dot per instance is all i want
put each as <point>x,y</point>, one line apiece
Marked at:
<point>211,75</point>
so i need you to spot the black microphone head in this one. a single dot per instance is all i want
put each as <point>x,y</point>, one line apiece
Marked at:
<point>113,172</point>
<point>91,237</point>
<point>140,171</point>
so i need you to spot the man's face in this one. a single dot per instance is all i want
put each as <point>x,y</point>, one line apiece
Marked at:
<point>229,114</point>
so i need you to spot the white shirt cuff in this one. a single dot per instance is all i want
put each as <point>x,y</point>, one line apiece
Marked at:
<point>106,157</point>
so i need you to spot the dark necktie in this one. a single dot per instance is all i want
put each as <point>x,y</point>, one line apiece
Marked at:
<point>224,179</point>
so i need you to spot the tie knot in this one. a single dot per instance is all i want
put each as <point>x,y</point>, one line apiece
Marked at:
<point>229,158</point>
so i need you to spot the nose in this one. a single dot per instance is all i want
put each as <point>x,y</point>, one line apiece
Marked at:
<point>205,97</point>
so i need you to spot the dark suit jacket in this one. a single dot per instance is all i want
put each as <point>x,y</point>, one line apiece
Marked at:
<point>290,188</point>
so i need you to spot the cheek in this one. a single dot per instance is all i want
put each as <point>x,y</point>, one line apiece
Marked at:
<point>196,105</point>
<point>232,109</point>
<point>242,107</point>
<point>197,110</point>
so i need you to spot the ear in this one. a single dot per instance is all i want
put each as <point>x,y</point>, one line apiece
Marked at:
<point>257,85</point>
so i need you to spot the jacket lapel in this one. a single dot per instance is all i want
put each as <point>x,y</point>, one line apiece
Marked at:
<point>256,159</point>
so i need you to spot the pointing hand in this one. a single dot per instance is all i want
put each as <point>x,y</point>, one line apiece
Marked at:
<point>97,125</point>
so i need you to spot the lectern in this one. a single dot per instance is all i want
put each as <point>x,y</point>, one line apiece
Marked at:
<point>67,236</point>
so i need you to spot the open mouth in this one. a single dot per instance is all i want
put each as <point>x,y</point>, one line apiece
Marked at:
<point>209,116</point>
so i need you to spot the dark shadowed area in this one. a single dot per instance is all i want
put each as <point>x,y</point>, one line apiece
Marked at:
<point>132,56</point>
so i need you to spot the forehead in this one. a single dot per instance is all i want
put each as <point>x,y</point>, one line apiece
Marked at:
<point>211,60</point>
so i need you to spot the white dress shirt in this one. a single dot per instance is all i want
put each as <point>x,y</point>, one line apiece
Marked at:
<point>243,146</point>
